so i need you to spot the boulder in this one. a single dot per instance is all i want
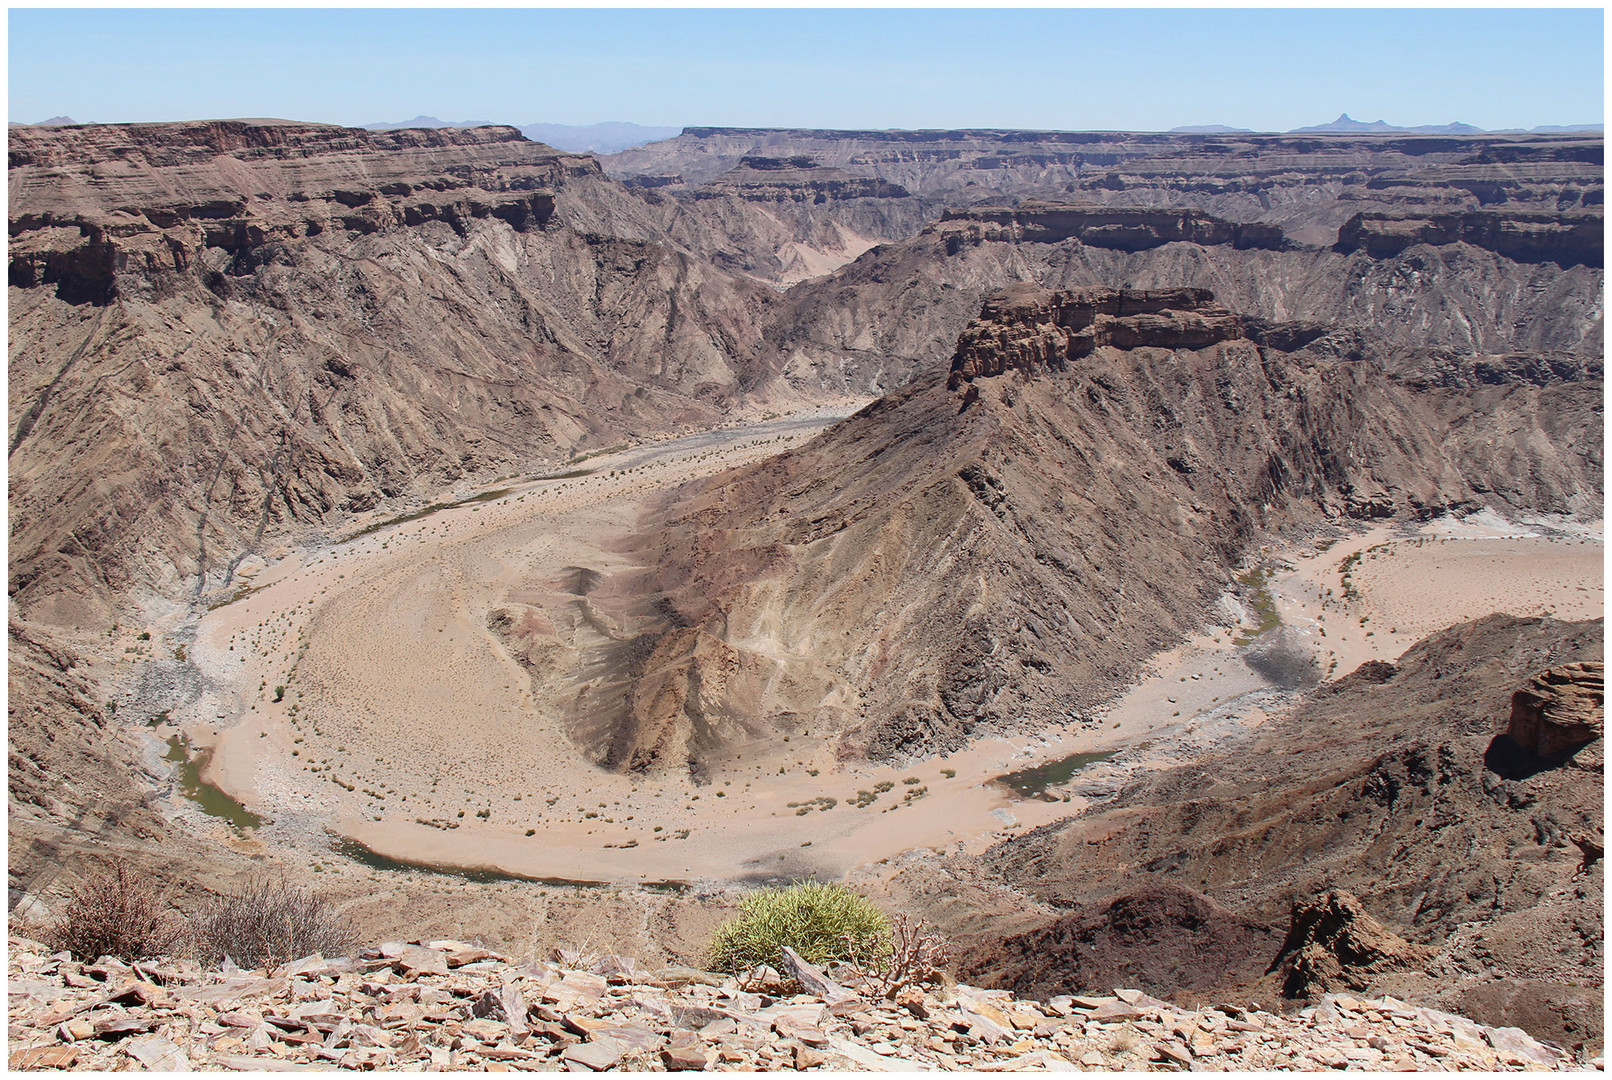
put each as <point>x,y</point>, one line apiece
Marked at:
<point>1559,710</point>
<point>1333,943</point>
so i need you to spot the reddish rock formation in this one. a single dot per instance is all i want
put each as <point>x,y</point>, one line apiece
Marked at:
<point>1333,943</point>
<point>1559,710</point>
<point>1120,228</point>
<point>1029,329</point>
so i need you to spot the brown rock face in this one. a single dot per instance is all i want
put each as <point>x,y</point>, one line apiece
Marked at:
<point>1567,239</point>
<point>1333,943</point>
<point>1559,710</point>
<point>1378,785</point>
<point>1163,939</point>
<point>155,197</point>
<point>1119,228</point>
<point>795,180</point>
<point>227,333</point>
<point>1030,330</point>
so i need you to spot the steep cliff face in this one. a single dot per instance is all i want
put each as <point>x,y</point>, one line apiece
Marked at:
<point>1119,228</point>
<point>1306,186</point>
<point>996,546</point>
<point>1567,239</point>
<point>225,332</point>
<point>898,309</point>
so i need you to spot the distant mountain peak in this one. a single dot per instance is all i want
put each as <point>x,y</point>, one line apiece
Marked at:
<point>1348,125</point>
<point>58,121</point>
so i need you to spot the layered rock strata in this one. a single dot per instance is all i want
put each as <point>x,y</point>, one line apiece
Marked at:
<point>1560,710</point>
<point>1567,239</point>
<point>228,334</point>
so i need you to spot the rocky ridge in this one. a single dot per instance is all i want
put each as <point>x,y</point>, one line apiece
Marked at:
<point>1305,185</point>
<point>1158,426</point>
<point>1567,239</point>
<point>1366,786</point>
<point>449,1004</point>
<point>1440,298</point>
<point>1120,228</point>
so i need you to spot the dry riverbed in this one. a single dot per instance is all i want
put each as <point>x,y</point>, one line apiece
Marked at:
<point>356,692</point>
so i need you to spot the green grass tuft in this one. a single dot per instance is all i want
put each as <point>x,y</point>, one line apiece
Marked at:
<point>820,921</point>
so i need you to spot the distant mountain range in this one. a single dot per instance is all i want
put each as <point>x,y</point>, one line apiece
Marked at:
<point>614,136</point>
<point>1348,125</point>
<point>606,138</point>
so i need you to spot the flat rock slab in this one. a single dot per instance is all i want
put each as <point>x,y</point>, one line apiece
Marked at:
<point>597,1054</point>
<point>418,960</point>
<point>157,1054</point>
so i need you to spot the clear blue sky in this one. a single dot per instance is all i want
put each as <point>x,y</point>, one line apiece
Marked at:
<point>898,68</point>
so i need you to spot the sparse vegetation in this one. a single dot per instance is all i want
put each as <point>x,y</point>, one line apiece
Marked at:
<point>115,911</point>
<point>819,921</point>
<point>270,922</point>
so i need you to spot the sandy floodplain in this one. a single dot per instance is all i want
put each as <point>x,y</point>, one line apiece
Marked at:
<point>356,690</point>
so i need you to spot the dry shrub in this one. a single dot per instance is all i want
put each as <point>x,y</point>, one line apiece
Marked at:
<point>269,923</point>
<point>915,955</point>
<point>115,911</point>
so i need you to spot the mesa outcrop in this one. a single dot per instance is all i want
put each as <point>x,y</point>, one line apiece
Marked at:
<point>1567,239</point>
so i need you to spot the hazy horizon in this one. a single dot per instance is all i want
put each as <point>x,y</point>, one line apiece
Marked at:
<point>1132,70</point>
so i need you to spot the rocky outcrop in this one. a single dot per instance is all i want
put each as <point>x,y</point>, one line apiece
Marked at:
<point>1119,228</point>
<point>795,180</point>
<point>1566,239</point>
<point>1165,940</point>
<point>1332,943</point>
<point>1030,330</point>
<point>1445,310</point>
<point>1558,711</point>
<point>1368,787</point>
<point>155,196</point>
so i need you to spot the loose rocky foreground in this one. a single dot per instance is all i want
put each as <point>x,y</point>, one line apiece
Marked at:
<point>449,1004</point>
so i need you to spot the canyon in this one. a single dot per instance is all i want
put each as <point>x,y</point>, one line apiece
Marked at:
<point>466,518</point>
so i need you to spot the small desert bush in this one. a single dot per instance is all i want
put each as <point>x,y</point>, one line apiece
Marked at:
<point>821,922</point>
<point>270,922</point>
<point>115,911</point>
